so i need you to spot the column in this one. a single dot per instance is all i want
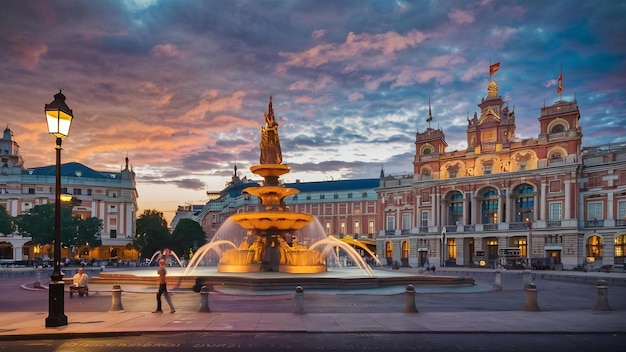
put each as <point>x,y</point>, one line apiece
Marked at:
<point>609,206</point>
<point>544,206</point>
<point>568,199</point>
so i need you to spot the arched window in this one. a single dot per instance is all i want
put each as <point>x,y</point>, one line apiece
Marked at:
<point>490,207</point>
<point>427,151</point>
<point>558,129</point>
<point>455,209</point>
<point>524,203</point>
<point>594,247</point>
<point>388,250</point>
<point>405,249</point>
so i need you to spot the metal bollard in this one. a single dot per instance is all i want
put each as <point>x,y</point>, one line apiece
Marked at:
<point>116,299</point>
<point>38,277</point>
<point>602,296</point>
<point>498,283</point>
<point>204,300</point>
<point>410,300</point>
<point>300,300</point>
<point>531,298</point>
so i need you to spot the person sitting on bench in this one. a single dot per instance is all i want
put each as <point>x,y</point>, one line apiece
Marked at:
<point>79,283</point>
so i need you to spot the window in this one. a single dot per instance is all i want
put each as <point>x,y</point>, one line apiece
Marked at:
<point>388,250</point>
<point>113,234</point>
<point>427,151</point>
<point>405,249</point>
<point>88,191</point>
<point>349,194</point>
<point>370,227</point>
<point>487,169</point>
<point>328,228</point>
<point>342,227</point>
<point>357,227</point>
<point>322,196</point>
<point>621,210</point>
<point>524,203</point>
<point>451,248</point>
<point>424,222</point>
<point>521,244</point>
<point>406,221</point>
<point>391,220</point>
<point>335,196</point>
<point>455,209</point>
<point>364,195</point>
<point>555,211</point>
<point>620,246</point>
<point>594,247</point>
<point>490,207</point>
<point>31,191</point>
<point>558,129</point>
<point>77,191</point>
<point>594,211</point>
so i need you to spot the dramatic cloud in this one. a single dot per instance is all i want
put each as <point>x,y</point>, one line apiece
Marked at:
<point>180,87</point>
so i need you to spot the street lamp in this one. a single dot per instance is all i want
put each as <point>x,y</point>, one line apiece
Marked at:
<point>59,118</point>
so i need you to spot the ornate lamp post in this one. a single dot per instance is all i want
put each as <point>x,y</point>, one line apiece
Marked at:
<point>59,117</point>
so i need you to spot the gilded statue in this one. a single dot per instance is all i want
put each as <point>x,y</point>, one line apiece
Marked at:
<point>270,144</point>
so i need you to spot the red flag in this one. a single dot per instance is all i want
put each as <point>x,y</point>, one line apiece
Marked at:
<point>559,85</point>
<point>494,68</point>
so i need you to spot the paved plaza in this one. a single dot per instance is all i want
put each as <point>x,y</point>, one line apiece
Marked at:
<point>567,303</point>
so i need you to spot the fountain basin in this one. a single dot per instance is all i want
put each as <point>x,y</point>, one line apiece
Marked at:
<point>272,220</point>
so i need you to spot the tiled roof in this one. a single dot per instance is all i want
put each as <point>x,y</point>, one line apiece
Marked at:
<point>72,169</point>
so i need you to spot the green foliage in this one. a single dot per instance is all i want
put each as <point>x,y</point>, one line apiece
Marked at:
<point>152,233</point>
<point>6,226</point>
<point>38,223</point>
<point>187,237</point>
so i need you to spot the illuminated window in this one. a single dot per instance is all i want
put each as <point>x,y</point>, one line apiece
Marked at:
<point>594,247</point>
<point>455,209</point>
<point>451,248</point>
<point>388,250</point>
<point>405,249</point>
<point>490,207</point>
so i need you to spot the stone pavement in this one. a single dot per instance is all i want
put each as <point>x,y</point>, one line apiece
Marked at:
<point>31,325</point>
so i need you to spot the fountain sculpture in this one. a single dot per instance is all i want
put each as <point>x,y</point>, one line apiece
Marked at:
<point>270,243</point>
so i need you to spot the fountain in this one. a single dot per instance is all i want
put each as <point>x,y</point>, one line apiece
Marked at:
<point>275,248</point>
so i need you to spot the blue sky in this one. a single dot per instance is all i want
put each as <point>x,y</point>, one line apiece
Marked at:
<point>180,87</point>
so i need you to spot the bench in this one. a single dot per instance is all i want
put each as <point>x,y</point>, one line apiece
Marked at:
<point>82,291</point>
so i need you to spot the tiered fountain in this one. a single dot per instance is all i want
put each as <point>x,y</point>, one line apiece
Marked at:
<point>251,248</point>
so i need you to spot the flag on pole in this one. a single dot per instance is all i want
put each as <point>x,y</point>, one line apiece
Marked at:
<point>559,83</point>
<point>430,113</point>
<point>494,68</point>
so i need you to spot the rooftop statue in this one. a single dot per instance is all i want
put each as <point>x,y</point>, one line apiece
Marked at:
<point>270,144</point>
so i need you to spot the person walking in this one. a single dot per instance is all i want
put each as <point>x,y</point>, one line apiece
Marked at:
<point>163,288</point>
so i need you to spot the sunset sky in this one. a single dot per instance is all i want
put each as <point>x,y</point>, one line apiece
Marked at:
<point>180,87</point>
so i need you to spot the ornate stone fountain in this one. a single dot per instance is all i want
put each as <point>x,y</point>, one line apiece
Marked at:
<point>270,245</point>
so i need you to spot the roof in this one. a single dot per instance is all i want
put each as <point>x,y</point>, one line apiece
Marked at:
<point>72,169</point>
<point>342,185</point>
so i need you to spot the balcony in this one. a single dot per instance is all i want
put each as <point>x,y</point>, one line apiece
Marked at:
<point>554,223</point>
<point>594,223</point>
<point>490,227</point>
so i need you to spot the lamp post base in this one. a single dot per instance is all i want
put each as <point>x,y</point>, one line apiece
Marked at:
<point>56,305</point>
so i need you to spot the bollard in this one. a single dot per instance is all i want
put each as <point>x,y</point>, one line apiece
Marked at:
<point>300,300</point>
<point>116,299</point>
<point>602,297</point>
<point>204,300</point>
<point>410,300</point>
<point>531,298</point>
<point>498,283</point>
<point>38,277</point>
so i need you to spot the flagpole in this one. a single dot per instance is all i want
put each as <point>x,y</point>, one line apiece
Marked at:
<point>561,75</point>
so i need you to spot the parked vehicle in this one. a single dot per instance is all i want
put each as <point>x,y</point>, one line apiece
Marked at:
<point>540,264</point>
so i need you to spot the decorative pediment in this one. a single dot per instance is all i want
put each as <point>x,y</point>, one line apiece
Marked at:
<point>488,115</point>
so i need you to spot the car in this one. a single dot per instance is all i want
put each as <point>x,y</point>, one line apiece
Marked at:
<point>540,264</point>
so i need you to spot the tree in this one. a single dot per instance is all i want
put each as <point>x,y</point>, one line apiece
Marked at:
<point>39,224</point>
<point>187,237</point>
<point>5,221</point>
<point>152,233</point>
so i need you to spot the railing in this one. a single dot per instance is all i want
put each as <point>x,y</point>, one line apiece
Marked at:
<point>389,232</point>
<point>490,227</point>
<point>620,222</point>
<point>405,232</point>
<point>469,228</point>
<point>554,223</point>
<point>423,229</point>
<point>594,223</point>
<point>450,228</point>
<point>518,226</point>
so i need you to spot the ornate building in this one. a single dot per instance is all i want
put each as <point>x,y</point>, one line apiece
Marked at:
<point>109,196</point>
<point>508,201</point>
